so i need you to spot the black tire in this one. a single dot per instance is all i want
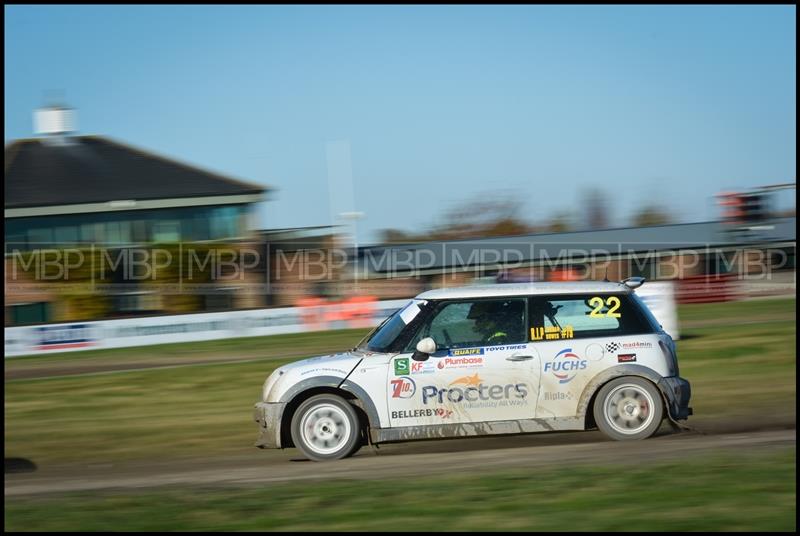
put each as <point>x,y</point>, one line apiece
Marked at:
<point>628,408</point>
<point>333,429</point>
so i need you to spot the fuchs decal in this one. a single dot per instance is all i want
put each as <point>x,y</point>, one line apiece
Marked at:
<point>565,365</point>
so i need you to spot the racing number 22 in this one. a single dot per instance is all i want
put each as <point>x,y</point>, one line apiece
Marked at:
<point>612,303</point>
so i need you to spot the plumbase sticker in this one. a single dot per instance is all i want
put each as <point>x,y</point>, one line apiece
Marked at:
<point>401,367</point>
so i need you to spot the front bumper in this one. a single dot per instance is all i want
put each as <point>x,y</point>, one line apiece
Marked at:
<point>268,417</point>
<point>677,391</point>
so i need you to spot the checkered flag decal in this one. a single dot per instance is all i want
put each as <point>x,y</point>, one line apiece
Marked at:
<point>612,347</point>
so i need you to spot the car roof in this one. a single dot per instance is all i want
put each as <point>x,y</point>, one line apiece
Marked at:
<point>523,289</point>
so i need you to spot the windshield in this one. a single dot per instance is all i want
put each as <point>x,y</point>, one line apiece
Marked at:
<point>382,337</point>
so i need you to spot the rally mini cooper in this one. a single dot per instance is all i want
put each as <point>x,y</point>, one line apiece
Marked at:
<point>484,360</point>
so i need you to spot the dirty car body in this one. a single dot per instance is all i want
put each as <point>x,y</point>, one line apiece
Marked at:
<point>484,360</point>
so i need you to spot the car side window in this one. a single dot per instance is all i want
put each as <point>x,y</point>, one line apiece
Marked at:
<point>584,316</point>
<point>475,323</point>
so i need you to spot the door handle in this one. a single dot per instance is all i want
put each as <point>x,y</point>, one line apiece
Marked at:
<point>519,357</point>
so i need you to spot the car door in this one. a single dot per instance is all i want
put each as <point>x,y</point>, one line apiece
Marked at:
<point>578,336</point>
<point>483,368</point>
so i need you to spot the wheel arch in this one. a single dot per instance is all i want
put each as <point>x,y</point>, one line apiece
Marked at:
<point>304,390</point>
<point>589,394</point>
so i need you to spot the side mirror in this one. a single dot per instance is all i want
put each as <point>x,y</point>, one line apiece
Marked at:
<point>425,348</point>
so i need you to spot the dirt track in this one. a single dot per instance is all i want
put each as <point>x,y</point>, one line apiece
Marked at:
<point>400,460</point>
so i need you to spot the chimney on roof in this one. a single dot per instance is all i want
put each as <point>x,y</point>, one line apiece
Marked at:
<point>55,121</point>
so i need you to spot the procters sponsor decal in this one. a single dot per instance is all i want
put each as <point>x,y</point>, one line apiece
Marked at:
<point>403,387</point>
<point>471,391</point>
<point>565,365</point>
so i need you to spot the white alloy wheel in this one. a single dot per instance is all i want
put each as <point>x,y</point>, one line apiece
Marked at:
<point>628,408</point>
<point>326,427</point>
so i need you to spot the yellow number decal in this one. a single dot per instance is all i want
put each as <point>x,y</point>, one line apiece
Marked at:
<point>597,303</point>
<point>612,303</point>
<point>613,300</point>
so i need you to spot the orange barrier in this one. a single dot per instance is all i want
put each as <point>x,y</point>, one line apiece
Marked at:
<point>564,274</point>
<point>311,312</point>
<point>706,289</point>
<point>353,312</point>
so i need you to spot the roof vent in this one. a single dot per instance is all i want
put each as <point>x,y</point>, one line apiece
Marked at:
<point>55,121</point>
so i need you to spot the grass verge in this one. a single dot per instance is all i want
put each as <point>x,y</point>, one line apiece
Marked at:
<point>749,491</point>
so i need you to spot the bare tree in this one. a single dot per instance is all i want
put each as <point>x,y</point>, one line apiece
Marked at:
<point>596,209</point>
<point>651,215</point>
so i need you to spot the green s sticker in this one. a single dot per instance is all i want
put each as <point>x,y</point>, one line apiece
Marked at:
<point>401,367</point>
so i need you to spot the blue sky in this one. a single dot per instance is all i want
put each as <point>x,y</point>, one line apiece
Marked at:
<point>425,107</point>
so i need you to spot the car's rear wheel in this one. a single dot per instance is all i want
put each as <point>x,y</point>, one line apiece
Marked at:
<point>326,427</point>
<point>628,408</point>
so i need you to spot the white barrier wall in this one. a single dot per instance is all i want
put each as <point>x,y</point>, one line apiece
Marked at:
<point>121,333</point>
<point>74,336</point>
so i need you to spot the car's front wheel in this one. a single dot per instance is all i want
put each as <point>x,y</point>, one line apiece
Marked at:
<point>326,427</point>
<point>628,408</point>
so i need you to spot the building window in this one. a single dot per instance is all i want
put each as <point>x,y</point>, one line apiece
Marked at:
<point>221,300</point>
<point>66,236</point>
<point>225,222</point>
<point>41,237</point>
<point>167,231</point>
<point>30,313</point>
<point>138,302</point>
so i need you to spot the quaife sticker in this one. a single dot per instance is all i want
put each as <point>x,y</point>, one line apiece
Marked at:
<point>466,351</point>
<point>626,358</point>
<point>401,367</point>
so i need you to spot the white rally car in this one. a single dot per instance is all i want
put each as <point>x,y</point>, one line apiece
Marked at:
<point>484,360</point>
